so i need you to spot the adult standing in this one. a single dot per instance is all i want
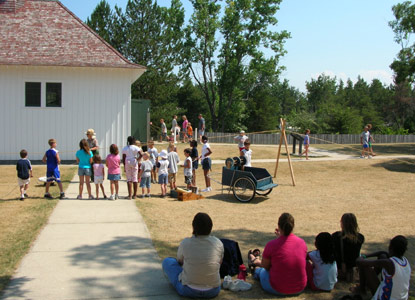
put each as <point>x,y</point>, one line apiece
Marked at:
<point>173,126</point>
<point>129,160</point>
<point>195,272</point>
<point>201,127</point>
<point>283,262</point>
<point>184,128</point>
<point>93,146</point>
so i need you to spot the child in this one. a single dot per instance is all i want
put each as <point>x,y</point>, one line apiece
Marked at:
<point>241,138</point>
<point>395,268</point>
<point>129,159</point>
<point>140,152</point>
<point>162,170</point>
<point>172,146</point>
<point>195,160</point>
<point>84,160</point>
<point>364,141</point>
<point>189,131</point>
<point>153,154</point>
<point>52,160</point>
<point>206,162</point>
<point>188,168</point>
<point>306,143</point>
<point>247,153</point>
<point>173,159</point>
<point>113,163</point>
<point>145,174</point>
<point>99,174</point>
<point>184,129</point>
<point>369,127</point>
<point>24,172</point>
<point>322,272</point>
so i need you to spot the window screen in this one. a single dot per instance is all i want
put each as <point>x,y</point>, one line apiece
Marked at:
<point>32,91</point>
<point>53,94</point>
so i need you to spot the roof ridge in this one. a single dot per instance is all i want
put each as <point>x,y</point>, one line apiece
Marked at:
<point>94,33</point>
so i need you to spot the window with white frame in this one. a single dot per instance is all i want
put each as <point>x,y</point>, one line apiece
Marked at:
<point>34,92</point>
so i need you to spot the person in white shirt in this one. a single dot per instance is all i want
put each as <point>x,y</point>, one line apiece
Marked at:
<point>129,160</point>
<point>195,272</point>
<point>396,272</point>
<point>163,169</point>
<point>241,138</point>
<point>247,153</point>
<point>206,162</point>
<point>173,159</point>
<point>153,154</point>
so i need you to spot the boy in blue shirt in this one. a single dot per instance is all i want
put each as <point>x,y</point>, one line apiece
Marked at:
<point>24,172</point>
<point>52,160</point>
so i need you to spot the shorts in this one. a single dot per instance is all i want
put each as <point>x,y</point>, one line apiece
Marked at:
<point>53,175</point>
<point>145,182</point>
<point>164,135</point>
<point>207,163</point>
<point>84,172</point>
<point>189,135</point>
<point>365,146</point>
<point>201,132</point>
<point>370,144</point>
<point>131,172</point>
<point>114,177</point>
<point>163,179</point>
<point>188,179</point>
<point>21,181</point>
<point>98,179</point>
<point>172,177</point>
<point>195,165</point>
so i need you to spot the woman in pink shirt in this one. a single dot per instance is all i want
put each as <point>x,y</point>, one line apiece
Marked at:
<point>283,263</point>
<point>113,162</point>
<point>184,129</point>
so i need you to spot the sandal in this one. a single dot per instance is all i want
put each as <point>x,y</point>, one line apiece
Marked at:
<point>256,253</point>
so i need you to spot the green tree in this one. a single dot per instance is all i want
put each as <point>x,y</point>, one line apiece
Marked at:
<point>222,71</point>
<point>101,21</point>
<point>319,91</point>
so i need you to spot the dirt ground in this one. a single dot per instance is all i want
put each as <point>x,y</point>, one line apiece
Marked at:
<point>379,192</point>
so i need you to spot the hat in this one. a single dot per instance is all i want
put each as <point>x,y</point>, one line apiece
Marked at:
<point>242,131</point>
<point>91,132</point>
<point>163,154</point>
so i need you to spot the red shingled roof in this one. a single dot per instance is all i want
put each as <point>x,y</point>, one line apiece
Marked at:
<point>46,33</point>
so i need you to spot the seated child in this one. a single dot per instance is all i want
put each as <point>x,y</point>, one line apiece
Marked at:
<point>247,153</point>
<point>322,272</point>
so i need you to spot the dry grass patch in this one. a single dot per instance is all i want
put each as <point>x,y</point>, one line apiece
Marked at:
<point>381,199</point>
<point>20,221</point>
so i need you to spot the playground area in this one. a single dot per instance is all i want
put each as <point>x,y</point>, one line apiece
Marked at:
<point>378,191</point>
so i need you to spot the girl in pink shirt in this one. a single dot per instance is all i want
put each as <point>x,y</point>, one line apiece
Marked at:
<point>99,174</point>
<point>113,162</point>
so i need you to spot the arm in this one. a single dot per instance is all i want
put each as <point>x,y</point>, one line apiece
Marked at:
<point>58,159</point>
<point>386,264</point>
<point>44,159</point>
<point>266,263</point>
<point>96,147</point>
<point>361,140</point>
<point>208,153</point>
<point>123,159</point>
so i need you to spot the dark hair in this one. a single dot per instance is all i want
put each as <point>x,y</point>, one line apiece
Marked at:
<point>307,131</point>
<point>324,244</point>
<point>96,159</point>
<point>193,143</point>
<point>188,151</point>
<point>114,149</point>
<point>83,145</point>
<point>247,142</point>
<point>204,138</point>
<point>23,153</point>
<point>350,228</point>
<point>130,140</point>
<point>286,223</point>
<point>398,245</point>
<point>202,224</point>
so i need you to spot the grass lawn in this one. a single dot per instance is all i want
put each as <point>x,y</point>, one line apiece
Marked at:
<point>379,192</point>
<point>21,221</point>
<point>379,149</point>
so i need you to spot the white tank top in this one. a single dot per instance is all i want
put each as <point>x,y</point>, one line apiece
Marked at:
<point>395,287</point>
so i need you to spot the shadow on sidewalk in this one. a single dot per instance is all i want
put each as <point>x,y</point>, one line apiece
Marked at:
<point>14,287</point>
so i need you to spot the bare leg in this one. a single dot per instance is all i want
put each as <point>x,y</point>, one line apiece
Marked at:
<point>135,186</point>
<point>26,186</point>
<point>129,183</point>
<point>47,187</point>
<point>88,185</point>
<point>112,186</point>
<point>22,190</point>
<point>367,279</point>
<point>102,189</point>
<point>194,177</point>
<point>81,184</point>
<point>116,186</point>
<point>97,190</point>
<point>60,187</point>
<point>207,178</point>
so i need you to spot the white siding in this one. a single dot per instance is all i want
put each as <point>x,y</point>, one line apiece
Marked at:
<point>91,98</point>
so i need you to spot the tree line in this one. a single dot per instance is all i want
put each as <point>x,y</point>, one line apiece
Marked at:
<point>224,62</point>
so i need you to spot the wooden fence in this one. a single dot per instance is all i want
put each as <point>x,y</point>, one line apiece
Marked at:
<point>274,138</point>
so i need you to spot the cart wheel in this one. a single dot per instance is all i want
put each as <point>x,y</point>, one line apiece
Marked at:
<point>244,189</point>
<point>263,193</point>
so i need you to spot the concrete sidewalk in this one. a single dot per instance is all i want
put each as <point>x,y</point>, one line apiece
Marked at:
<point>92,249</point>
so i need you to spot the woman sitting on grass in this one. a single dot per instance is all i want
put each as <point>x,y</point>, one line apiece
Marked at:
<point>283,265</point>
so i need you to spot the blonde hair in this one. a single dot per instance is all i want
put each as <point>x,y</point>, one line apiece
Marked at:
<point>350,229</point>
<point>146,156</point>
<point>137,143</point>
<point>51,142</point>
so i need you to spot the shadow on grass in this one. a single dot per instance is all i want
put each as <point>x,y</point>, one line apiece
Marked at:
<point>404,165</point>
<point>230,198</point>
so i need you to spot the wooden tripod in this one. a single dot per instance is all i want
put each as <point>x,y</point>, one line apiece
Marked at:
<point>284,138</point>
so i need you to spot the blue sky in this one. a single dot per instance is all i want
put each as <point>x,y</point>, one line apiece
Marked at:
<point>339,38</point>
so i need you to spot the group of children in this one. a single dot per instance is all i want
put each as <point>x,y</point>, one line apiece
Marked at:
<point>185,133</point>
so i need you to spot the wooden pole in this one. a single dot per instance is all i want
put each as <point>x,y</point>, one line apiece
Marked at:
<point>279,149</point>
<point>289,157</point>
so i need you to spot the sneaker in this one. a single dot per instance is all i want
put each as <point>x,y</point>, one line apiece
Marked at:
<point>227,282</point>
<point>79,197</point>
<point>148,195</point>
<point>239,285</point>
<point>134,196</point>
<point>91,197</point>
<point>142,196</point>
<point>369,157</point>
<point>21,198</point>
<point>208,189</point>
<point>105,196</point>
<point>362,156</point>
<point>48,196</point>
<point>116,196</point>
<point>26,195</point>
<point>111,197</point>
<point>62,196</point>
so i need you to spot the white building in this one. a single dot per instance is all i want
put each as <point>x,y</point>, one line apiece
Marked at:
<point>57,79</point>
